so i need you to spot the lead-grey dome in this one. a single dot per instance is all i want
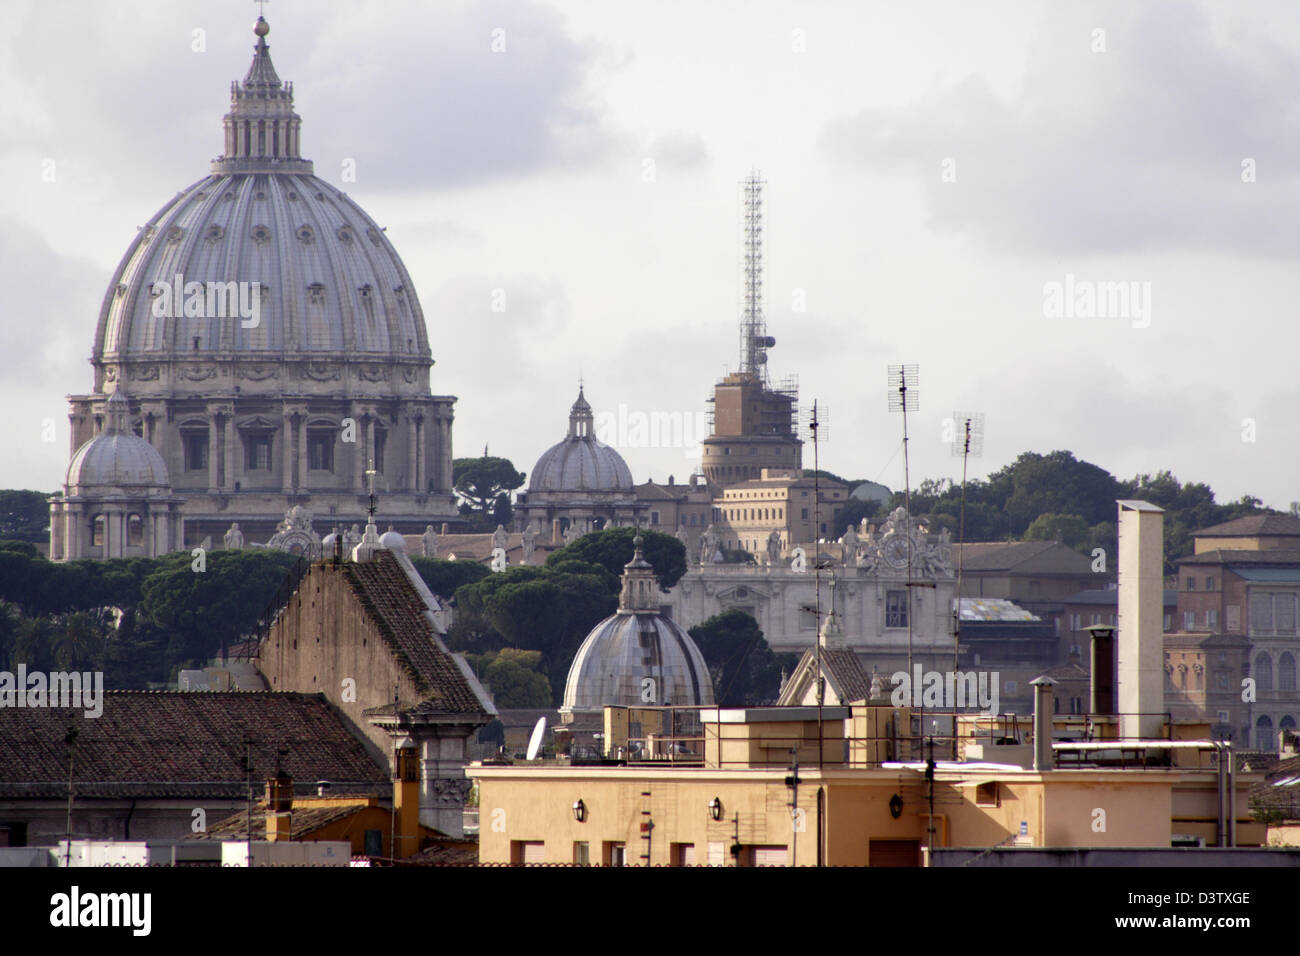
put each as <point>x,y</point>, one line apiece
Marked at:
<point>635,645</point>
<point>331,285</point>
<point>580,462</point>
<point>116,458</point>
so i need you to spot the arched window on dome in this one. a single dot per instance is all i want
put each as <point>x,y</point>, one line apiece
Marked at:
<point>134,531</point>
<point>98,527</point>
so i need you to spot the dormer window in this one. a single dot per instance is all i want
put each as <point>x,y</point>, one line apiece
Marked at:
<point>260,234</point>
<point>305,235</point>
<point>316,293</point>
<point>214,233</point>
<point>344,234</point>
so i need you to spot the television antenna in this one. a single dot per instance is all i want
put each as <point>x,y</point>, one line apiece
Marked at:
<point>904,397</point>
<point>814,429</point>
<point>754,340</point>
<point>967,441</point>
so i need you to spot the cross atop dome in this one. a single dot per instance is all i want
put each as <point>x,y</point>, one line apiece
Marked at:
<point>262,130</point>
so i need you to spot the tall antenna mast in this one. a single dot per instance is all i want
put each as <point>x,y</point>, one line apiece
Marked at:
<point>754,340</point>
<point>903,397</point>
<point>813,426</point>
<point>968,440</point>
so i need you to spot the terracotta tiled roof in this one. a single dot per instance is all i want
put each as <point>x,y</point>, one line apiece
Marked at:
<point>306,820</point>
<point>1268,524</point>
<point>181,744</point>
<point>1280,790</point>
<point>845,669</point>
<point>397,609</point>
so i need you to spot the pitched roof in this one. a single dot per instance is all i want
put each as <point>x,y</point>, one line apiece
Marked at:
<point>1029,557</point>
<point>1109,597</point>
<point>1266,524</point>
<point>1275,556</point>
<point>305,820</point>
<point>842,668</point>
<point>397,609</point>
<point>182,744</point>
<point>1280,790</point>
<point>845,670</point>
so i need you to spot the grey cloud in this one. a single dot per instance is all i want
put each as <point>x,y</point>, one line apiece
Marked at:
<point>50,309</point>
<point>1136,148</point>
<point>418,98</point>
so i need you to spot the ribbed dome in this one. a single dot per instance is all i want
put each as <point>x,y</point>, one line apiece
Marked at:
<point>632,646</point>
<point>580,462</point>
<point>116,458</point>
<point>330,282</point>
<point>625,649</point>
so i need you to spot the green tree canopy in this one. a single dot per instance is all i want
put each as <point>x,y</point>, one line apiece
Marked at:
<point>612,549</point>
<point>444,577</point>
<point>549,609</point>
<point>24,515</point>
<point>479,483</point>
<point>742,666</point>
<point>514,677</point>
<point>1070,530</point>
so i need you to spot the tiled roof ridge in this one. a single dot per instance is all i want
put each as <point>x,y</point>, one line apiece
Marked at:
<point>386,631</point>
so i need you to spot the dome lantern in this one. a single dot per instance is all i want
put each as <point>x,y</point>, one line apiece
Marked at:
<point>262,130</point>
<point>640,586</point>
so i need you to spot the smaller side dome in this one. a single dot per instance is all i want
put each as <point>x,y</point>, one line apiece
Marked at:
<point>581,462</point>
<point>393,541</point>
<point>637,650</point>
<point>117,458</point>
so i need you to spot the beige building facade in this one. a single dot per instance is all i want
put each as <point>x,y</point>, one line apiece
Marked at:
<point>739,809</point>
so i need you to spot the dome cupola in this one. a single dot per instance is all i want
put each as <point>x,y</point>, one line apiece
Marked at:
<point>117,458</point>
<point>581,462</point>
<point>637,656</point>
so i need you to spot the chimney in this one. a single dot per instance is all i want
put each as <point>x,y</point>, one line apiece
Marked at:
<point>1042,722</point>
<point>1102,670</point>
<point>406,799</point>
<point>279,807</point>
<point>1140,671</point>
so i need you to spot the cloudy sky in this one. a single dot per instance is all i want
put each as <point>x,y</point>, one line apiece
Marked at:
<point>938,174</point>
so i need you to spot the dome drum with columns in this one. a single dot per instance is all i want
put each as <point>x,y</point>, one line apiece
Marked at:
<point>116,500</point>
<point>580,484</point>
<point>256,413</point>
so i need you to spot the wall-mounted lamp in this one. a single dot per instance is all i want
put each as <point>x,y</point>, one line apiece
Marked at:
<point>895,806</point>
<point>715,808</point>
<point>579,810</point>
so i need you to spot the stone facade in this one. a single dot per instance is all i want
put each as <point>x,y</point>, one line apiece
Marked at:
<point>289,404</point>
<point>873,603</point>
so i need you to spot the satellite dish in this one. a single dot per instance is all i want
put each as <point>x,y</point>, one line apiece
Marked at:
<point>535,741</point>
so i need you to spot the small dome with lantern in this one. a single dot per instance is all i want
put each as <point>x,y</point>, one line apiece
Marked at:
<point>637,656</point>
